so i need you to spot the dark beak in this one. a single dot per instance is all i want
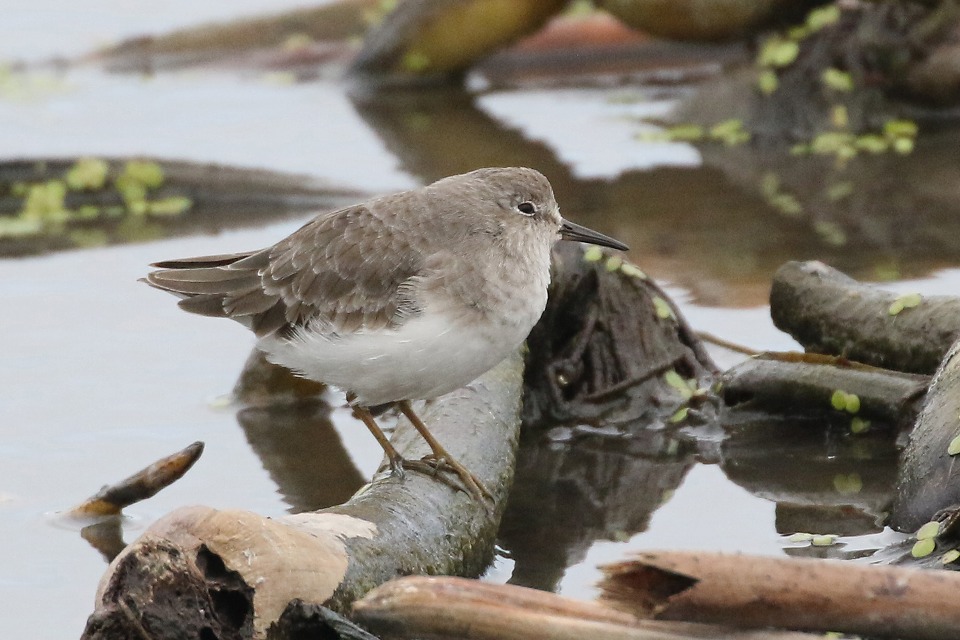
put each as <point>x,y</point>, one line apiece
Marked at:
<point>570,231</point>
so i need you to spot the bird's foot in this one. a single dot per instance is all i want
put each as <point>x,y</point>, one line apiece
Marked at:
<point>397,463</point>
<point>473,485</point>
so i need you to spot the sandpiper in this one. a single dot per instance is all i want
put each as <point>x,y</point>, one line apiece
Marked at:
<point>403,297</point>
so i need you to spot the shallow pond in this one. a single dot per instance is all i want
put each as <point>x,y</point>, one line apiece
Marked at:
<point>101,375</point>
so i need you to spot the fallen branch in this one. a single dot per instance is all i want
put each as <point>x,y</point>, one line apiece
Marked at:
<point>220,573</point>
<point>805,384</point>
<point>112,499</point>
<point>812,595</point>
<point>421,607</point>
<point>828,312</point>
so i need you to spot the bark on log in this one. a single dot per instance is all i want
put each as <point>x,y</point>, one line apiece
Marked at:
<point>202,572</point>
<point>803,594</point>
<point>927,480</point>
<point>827,312</point>
<point>442,608</point>
<point>804,385</point>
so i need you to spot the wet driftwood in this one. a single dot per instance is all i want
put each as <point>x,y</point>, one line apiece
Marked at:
<point>928,475</point>
<point>439,38</point>
<point>202,572</point>
<point>612,346</point>
<point>802,594</point>
<point>828,312</point>
<point>421,607</point>
<point>211,197</point>
<point>805,384</point>
<point>112,499</point>
<point>300,34</point>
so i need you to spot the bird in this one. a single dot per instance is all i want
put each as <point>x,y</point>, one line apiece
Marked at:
<point>401,298</point>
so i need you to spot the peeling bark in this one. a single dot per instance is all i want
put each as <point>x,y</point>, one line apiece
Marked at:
<point>802,594</point>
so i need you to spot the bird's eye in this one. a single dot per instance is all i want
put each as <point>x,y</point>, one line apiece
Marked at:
<point>526,208</point>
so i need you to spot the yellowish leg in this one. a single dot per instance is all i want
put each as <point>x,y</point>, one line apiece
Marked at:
<point>440,457</point>
<point>396,460</point>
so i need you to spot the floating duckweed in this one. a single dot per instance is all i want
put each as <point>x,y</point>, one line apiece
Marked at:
<point>907,301</point>
<point>593,254</point>
<point>676,381</point>
<point>824,540</point>
<point>19,227</point>
<point>172,206</point>
<point>837,80</point>
<point>954,447</point>
<point>777,52</point>
<point>613,263</point>
<point>831,233</point>
<point>87,238</point>
<point>872,143</point>
<point>87,174</point>
<point>786,204</point>
<point>900,128</point>
<point>848,484</point>
<point>685,133</point>
<point>680,415</point>
<point>633,271</point>
<point>929,530</point>
<point>770,184</point>
<point>859,425</point>
<point>853,403</point>
<point>840,190</point>
<point>415,61</point>
<point>798,32</point>
<point>767,82</point>
<point>839,117</point>
<point>147,173</point>
<point>138,207</point>
<point>903,146</point>
<point>950,556</point>
<point>730,132</point>
<point>839,399</point>
<point>45,200</point>
<point>131,190</point>
<point>843,401</point>
<point>88,212</point>
<point>923,548</point>
<point>831,142</point>
<point>800,537</point>
<point>823,16</point>
<point>662,308</point>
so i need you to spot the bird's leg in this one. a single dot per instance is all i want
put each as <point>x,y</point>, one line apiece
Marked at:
<point>396,460</point>
<point>440,457</point>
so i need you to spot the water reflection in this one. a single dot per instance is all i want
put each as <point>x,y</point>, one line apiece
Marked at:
<point>719,230</point>
<point>566,496</point>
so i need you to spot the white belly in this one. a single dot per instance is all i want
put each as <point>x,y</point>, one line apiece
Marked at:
<point>426,357</point>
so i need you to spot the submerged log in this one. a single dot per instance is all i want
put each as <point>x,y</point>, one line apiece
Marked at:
<point>807,384</point>
<point>828,312</point>
<point>202,572</point>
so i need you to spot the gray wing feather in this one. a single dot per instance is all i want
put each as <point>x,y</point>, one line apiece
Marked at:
<point>349,270</point>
